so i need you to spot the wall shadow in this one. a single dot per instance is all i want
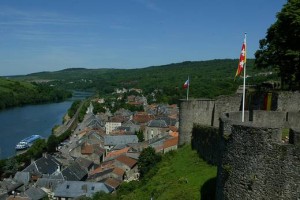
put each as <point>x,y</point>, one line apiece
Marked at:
<point>208,190</point>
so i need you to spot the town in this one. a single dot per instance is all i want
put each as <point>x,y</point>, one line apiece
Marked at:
<point>101,153</point>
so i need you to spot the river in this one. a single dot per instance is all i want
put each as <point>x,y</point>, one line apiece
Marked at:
<point>21,122</point>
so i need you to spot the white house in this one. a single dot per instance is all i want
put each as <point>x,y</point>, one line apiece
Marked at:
<point>110,126</point>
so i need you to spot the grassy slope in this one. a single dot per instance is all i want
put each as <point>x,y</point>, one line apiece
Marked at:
<point>7,85</point>
<point>180,176</point>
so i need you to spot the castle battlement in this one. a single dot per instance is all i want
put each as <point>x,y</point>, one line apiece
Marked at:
<point>254,162</point>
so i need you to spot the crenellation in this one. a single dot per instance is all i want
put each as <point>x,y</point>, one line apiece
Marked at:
<point>259,160</point>
<point>293,119</point>
<point>263,118</point>
<point>288,101</point>
<point>225,104</point>
<point>254,160</point>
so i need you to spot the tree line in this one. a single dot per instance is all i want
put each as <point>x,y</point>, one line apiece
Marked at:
<point>208,79</point>
<point>15,93</point>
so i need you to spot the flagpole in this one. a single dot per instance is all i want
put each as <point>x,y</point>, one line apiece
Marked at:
<point>187,91</point>
<point>244,85</point>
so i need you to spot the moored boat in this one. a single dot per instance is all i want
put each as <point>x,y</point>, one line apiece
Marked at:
<point>27,142</point>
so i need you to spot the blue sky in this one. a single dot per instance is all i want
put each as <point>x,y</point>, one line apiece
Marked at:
<point>50,35</point>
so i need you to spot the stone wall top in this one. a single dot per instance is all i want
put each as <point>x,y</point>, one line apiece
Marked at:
<point>260,118</point>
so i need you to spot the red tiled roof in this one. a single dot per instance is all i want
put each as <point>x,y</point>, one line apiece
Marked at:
<point>91,148</point>
<point>87,149</point>
<point>112,182</point>
<point>142,118</point>
<point>130,162</point>
<point>117,152</point>
<point>174,134</point>
<point>118,171</point>
<point>101,168</point>
<point>96,171</point>
<point>117,118</point>
<point>171,142</point>
<point>107,164</point>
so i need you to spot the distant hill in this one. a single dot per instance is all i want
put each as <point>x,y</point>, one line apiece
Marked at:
<point>207,78</point>
<point>17,93</point>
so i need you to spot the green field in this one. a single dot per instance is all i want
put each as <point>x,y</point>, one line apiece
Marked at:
<point>180,175</point>
<point>6,85</point>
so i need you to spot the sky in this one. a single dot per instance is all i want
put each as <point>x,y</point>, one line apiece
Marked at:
<point>51,35</point>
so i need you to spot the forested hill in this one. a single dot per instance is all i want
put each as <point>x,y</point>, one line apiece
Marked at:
<point>17,93</point>
<point>207,78</point>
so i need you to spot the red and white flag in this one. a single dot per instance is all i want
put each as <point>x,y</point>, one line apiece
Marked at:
<point>242,60</point>
<point>186,84</point>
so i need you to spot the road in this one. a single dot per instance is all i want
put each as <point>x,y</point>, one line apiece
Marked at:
<point>70,123</point>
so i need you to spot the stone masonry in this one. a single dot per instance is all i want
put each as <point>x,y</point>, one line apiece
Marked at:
<point>255,164</point>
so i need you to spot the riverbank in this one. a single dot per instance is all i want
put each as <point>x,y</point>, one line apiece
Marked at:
<point>19,93</point>
<point>58,128</point>
<point>21,122</point>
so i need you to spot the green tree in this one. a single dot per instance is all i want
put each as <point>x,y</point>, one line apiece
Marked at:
<point>103,196</point>
<point>72,110</point>
<point>83,110</point>
<point>11,166</point>
<point>147,160</point>
<point>52,143</point>
<point>280,48</point>
<point>37,149</point>
<point>98,108</point>
<point>140,135</point>
<point>127,187</point>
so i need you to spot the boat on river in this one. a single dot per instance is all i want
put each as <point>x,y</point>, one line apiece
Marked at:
<point>27,142</point>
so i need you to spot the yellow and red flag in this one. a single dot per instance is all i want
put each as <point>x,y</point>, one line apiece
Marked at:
<point>242,61</point>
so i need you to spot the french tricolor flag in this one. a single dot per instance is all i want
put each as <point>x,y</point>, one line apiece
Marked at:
<point>186,84</point>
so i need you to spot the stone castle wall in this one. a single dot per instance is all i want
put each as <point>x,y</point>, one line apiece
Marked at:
<point>224,104</point>
<point>293,119</point>
<point>261,117</point>
<point>209,111</point>
<point>288,101</point>
<point>194,111</point>
<point>255,164</point>
<point>206,140</point>
<point>204,112</point>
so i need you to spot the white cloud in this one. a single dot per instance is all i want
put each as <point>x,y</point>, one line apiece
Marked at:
<point>11,16</point>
